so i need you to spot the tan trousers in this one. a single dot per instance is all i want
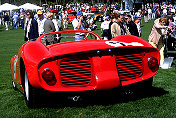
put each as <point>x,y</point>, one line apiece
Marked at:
<point>160,47</point>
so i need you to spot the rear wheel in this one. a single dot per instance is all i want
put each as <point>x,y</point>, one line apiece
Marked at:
<point>30,93</point>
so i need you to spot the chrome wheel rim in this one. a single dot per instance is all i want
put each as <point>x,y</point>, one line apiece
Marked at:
<point>26,87</point>
<point>13,83</point>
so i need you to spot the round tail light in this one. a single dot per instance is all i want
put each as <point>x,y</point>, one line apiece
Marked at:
<point>49,77</point>
<point>153,64</point>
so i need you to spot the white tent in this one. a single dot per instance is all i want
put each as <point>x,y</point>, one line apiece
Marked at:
<point>30,6</point>
<point>8,6</point>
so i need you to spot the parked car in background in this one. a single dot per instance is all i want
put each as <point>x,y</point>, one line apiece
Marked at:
<point>71,16</point>
<point>98,15</point>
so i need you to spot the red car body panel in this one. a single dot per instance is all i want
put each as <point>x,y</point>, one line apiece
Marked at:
<point>95,61</point>
<point>71,18</point>
<point>94,9</point>
<point>71,15</point>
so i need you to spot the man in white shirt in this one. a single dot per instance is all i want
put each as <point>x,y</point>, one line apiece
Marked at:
<point>41,19</point>
<point>78,25</point>
<point>149,13</point>
<point>15,20</point>
<point>105,28</point>
<point>65,20</point>
<point>172,10</point>
<point>164,12</point>
<point>174,18</point>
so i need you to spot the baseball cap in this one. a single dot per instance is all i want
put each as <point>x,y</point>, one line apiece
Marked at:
<point>79,13</point>
<point>39,12</point>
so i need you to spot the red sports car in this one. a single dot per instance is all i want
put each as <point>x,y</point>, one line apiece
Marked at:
<point>92,64</point>
<point>71,16</point>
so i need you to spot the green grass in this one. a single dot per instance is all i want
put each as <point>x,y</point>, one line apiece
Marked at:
<point>158,103</point>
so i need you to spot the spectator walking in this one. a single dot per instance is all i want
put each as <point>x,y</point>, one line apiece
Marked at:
<point>149,13</point>
<point>146,16</point>
<point>153,13</point>
<point>15,21</point>
<point>6,20</point>
<point>31,28</point>
<point>22,20</point>
<point>65,20</point>
<point>105,29</point>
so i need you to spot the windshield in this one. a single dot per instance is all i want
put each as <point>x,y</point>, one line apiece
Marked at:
<point>67,36</point>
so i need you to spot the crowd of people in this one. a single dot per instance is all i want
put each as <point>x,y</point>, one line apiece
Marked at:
<point>114,24</point>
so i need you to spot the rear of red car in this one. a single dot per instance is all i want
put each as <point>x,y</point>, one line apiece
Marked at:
<point>98,69</point>
<point>82,66</point>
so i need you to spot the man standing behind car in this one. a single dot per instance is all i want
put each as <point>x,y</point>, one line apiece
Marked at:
<point>78,25</point>
<point>41,20</point>
<point>119,28</point>
<point>31,28</point>
<point>49,27</point>
<point>132,27</point>
<point>105,28</point>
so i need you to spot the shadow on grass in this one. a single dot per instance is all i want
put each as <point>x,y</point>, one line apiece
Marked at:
<point>104,98</point>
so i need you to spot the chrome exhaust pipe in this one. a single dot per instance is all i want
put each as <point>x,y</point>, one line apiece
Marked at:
<point>75,98</point>
<point>128,92</point>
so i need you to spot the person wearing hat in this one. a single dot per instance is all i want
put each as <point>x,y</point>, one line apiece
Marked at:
<point>78,25</point>
<point>41,20</point>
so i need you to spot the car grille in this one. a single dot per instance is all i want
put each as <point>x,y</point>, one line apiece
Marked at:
<point>75,72</point>
<point>129,66</point>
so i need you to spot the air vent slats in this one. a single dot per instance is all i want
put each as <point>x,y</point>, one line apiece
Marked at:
<point>75,72</point>
<point>129,66</point>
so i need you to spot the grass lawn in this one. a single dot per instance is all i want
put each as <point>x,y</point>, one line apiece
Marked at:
<point>160,102</point>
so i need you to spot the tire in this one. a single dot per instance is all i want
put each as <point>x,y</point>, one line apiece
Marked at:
<point>14,85</point>
<point>30,93</point>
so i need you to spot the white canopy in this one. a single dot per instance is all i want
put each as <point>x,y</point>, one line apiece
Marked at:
<point>8,6</point>
<point>30,6</point>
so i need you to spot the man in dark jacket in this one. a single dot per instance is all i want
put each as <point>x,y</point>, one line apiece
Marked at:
<point>131,26</point>
<point>31,29</point>
<point>6,20</point>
